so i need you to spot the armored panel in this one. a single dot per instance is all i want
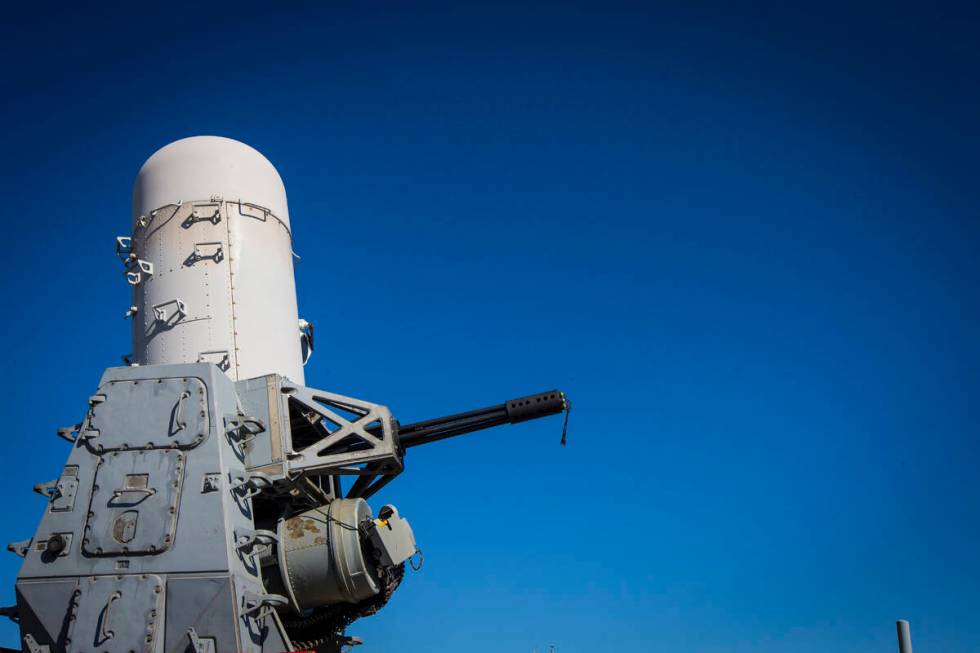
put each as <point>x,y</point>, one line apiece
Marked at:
<point>45,608</point>
<point>108,571</point>
<point>126,415</point>
<point>205,604</point>
<point>133,509</point>
<point>116,614</point>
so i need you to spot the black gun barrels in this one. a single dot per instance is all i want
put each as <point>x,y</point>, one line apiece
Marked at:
<point>510,412</point>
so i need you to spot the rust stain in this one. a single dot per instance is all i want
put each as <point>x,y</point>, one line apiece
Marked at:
<point>298,525</point>
<point>294,528</point>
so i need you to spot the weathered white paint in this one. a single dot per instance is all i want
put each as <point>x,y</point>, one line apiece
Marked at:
<point>208,194</point>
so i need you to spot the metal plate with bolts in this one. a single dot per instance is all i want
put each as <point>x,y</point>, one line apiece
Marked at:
<point>173,414</point>
<point>115,614</point>
<point>133,509</point>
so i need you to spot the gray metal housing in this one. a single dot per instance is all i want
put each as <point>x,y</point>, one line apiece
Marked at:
<point>195,513</point>
<point>149,535</point>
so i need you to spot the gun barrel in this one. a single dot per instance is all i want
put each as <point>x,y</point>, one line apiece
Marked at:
<point>517,410</point>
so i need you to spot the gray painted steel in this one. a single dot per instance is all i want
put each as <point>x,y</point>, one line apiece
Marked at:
<point>196,513</point>
<point>188,502</point>
<point>142,515</point>
<point>321,549</point>
<point>201,507</point>
<point>392,537</point>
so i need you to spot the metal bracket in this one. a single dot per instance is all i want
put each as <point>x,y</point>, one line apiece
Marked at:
<point>11,612</point>
<point>33,646</point>
<point>88,434</point>
<point>376,475</point>
<point>143,268</point>
<point>200,644</point>
<point>249,486</point>
<point>201,253</point>
<point>47,490</point>
<point>70,433</point>
<point>84,433</point>
<point>20,548</point>
<point>260,606</point>
<point>236,426</point>
<point>346,445</point>
<point>219,357</point>
<point>253,543</point>
<point>306,339</point>
<point>124,249</point>
<point>166,317</point>
<point>201,216</point>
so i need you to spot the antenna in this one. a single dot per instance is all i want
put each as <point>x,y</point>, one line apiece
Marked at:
<point>904,636</point>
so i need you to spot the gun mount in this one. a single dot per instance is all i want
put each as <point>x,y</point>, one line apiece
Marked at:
<point>203,505</point>
<point>177,473</point>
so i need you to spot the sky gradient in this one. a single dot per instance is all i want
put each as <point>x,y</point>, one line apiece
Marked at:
<point>744,242</point>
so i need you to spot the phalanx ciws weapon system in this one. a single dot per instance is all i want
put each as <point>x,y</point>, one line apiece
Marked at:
<point>212,502</point>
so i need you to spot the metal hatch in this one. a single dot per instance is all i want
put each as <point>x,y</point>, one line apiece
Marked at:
<point>124,415</point>
<point>116,614</point>
<point>133,509</point>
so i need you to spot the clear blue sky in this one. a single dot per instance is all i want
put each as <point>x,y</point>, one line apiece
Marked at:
<point>745,242</point>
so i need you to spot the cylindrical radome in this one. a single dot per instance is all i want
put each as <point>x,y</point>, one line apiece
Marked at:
<point>211,261</point>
